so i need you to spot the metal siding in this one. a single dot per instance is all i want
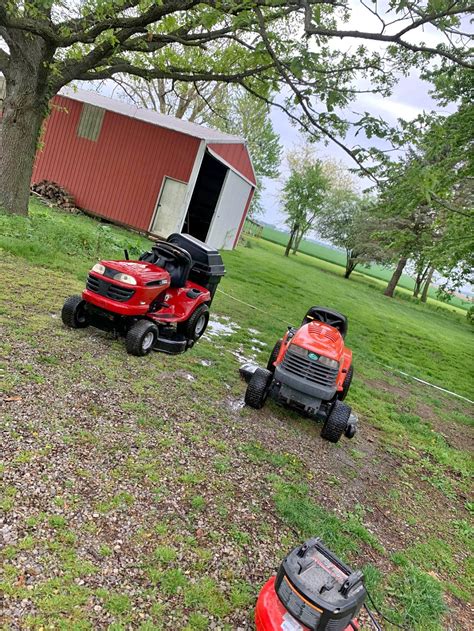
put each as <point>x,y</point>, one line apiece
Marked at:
<point>148,116</point>
<point>119,176</point>
<point>237,155</point>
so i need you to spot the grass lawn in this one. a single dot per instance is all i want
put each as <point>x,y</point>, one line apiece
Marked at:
<point>337,257</point>
<point>140,493</point>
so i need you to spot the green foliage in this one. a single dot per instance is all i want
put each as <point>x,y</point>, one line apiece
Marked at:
<point>338,259</point>
<point>54,239</point>
<point>165,554</point>
<point>267,48</point>
<point>426,202</point>
<point>470,315</point>
<point>204,594</point>
<point>420,597</point>
<point>304,193</point>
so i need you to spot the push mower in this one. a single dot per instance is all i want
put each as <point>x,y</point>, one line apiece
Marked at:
<point>159,302</point>
<point>310,370</point>
<point>312,590</point>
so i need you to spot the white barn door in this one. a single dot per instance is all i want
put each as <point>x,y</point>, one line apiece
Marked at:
<point>170,208</point>
<point>229,210</point>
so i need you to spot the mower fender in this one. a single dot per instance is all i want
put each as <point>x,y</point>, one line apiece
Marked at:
<point>270,614</point>
<point>346,364</point>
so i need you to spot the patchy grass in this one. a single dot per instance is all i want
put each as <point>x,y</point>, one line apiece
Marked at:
<point>136,490</point>
<point>338,258</point>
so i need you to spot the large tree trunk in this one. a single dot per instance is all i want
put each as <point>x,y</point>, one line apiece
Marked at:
<point>296,244</point>
<point>24,108</point>
<point>424,294</point>
<point>420,277</point>
<point>351,264</point>
<point>293,232</point>
<point>393,282</point>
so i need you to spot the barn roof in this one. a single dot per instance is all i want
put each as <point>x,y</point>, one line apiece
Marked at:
<point>150,116</point>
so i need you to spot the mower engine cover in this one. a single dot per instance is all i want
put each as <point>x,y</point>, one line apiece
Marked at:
<point>318,589</point>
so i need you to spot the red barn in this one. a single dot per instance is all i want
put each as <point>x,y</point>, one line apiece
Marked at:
<point>152,172</point>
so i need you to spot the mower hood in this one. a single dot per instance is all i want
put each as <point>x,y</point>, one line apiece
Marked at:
<point>320,338</point>
<point>142,271</point>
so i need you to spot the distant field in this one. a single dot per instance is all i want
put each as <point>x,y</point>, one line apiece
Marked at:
<point>338,258</point>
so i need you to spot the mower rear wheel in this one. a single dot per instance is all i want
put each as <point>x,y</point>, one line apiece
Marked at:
<point>73,313</point>
<point>141,338</point>
<point>195,326</point>
<point>336,422</point>
<point>257,390</point>
<point>273,356</point>
<point>346,385</point>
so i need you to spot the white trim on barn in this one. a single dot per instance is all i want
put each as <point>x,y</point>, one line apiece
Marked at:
<point>192,180</point>
<point>215,155</point>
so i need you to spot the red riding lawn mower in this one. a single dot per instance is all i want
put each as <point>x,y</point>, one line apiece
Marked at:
<point>309,370</point>
<point>159,302</point>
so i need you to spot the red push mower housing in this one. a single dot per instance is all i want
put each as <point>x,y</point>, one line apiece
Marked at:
<point>159,302</point>
<point>310,370</point>
<point>313,590</point>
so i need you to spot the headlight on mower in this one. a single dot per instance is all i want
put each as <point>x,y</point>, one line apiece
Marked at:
<point>125,278</point>
<point>299,350</point>
<point>98,268</point>
<point>330,363</point>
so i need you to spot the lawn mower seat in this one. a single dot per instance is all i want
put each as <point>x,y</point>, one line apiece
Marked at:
<point>176,261</point>
<point>328,316</point>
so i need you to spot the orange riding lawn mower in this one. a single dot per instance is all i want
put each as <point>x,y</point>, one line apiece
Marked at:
<point>310,371</point>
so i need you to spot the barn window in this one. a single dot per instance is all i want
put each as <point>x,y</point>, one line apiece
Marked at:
<point>90,122</point>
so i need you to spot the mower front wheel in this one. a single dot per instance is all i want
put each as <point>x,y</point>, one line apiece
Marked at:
<point>257,390</point>
<point>73,313</point>
<point>273,357</point>
<point>336,422</point>
<point>141,338</point>
<point>195,326</point>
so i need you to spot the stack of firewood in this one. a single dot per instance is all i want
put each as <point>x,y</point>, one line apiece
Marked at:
<point>55,193</point>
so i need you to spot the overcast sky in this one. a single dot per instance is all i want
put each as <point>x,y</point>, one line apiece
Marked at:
<point>410,98</point>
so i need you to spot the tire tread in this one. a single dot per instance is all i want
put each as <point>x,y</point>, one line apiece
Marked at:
<point>336,422</point>
<point>255,395</point>
<point>135,335</point>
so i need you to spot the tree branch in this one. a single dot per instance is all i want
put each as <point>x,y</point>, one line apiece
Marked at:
<point>302,100</point>
<point>140,22</point>
<point>310,29</point>
<point>4,61</point>
<point>121,65</point>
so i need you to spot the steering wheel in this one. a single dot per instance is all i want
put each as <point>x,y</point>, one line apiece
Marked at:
<point>327,318</point>
<point>171,252</point>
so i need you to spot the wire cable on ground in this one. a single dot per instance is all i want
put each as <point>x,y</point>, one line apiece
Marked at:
<point>247,304</point>
<point>401,372</point>
<point>371,615</point>
<point>426,383</point>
